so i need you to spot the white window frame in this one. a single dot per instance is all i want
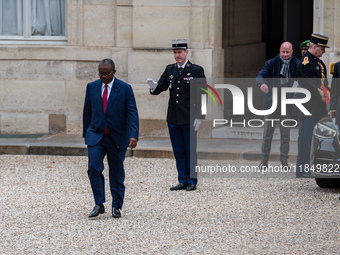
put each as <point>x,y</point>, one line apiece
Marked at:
<point>27,37</point>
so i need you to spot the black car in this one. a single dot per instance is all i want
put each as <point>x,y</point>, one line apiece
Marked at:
<point>325,154</point>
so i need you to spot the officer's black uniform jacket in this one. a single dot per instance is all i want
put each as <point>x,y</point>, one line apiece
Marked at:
<point>309,77</point>
<point>335,93</point>
<point>335,90</point>
<point>179,87</point>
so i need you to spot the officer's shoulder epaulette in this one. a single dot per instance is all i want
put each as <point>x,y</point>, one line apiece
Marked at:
<point>331,68</point>
<point>305,61</point>
<point>194,65</point>
<point>171,65</point>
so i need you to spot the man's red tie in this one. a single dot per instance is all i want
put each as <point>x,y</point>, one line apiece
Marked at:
<point>105,104</point>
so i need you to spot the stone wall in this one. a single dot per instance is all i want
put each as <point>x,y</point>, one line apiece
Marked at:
<point>326,22</point>
<point>43,86</point>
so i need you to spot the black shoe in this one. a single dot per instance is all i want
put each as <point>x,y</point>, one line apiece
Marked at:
<point>179,186</point>
<point>263,164</point>
<point>191,187</point>
<point>98,209</point>
<point>116,213</point>
<point>285,165</point>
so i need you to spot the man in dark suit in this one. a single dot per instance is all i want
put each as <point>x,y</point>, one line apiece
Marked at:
<point>110,125</point>
<point>281,71</point>
<point>178,78</point>
<point>312,75</point>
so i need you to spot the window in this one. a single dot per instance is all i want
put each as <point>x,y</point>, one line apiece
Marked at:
<point>32,21</point>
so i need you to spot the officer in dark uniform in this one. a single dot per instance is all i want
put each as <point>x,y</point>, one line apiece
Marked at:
<point>182,129</point>
<point>312,75</point>
<point>335,94</point>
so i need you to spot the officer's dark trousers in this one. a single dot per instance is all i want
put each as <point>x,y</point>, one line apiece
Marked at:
<point>180,140</point>
<point>268,132</point>
<point>306,127</point>
<point>115,159</point>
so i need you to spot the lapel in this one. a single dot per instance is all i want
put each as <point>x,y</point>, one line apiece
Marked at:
<point>277,68</point>
<point>113,94</point>
<point>98,93</point>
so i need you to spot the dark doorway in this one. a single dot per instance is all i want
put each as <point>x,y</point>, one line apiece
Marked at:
<point>286,20</point>
<point>299,23</point>
<point>252,32</point>
<point>272,26</point>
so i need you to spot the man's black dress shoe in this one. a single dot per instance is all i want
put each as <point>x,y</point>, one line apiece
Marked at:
<point>285,165</point>
<point>98,209</point>
<point>263,164</point>
<point>179,186</point>
<point>191,187</point>
<point>116,213</point>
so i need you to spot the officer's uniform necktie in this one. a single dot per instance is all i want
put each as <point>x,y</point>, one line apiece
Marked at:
<point>180,70</point>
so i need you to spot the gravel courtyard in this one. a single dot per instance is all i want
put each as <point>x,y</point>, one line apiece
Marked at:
<point>45,201</point>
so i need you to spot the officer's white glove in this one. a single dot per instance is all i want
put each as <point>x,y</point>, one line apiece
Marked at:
<point>152,84</point>
<point>197,124</point>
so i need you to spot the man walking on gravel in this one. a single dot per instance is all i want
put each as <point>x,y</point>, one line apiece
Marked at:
<point>110,125</point>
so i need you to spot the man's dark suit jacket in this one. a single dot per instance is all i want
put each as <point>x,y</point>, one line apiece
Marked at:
<point>272,70</point>
<point>120,118</point>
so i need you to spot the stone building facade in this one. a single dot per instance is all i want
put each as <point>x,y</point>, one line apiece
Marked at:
<point>42,84</point>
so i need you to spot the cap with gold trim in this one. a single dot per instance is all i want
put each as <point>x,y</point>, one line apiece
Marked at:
<point>320,40</point>
<point>179,44</point>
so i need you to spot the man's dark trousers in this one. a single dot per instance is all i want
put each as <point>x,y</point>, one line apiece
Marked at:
<point>268,132</point>
<point>181,136</point>
<point>306,127</point>
<point>115,159</point>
